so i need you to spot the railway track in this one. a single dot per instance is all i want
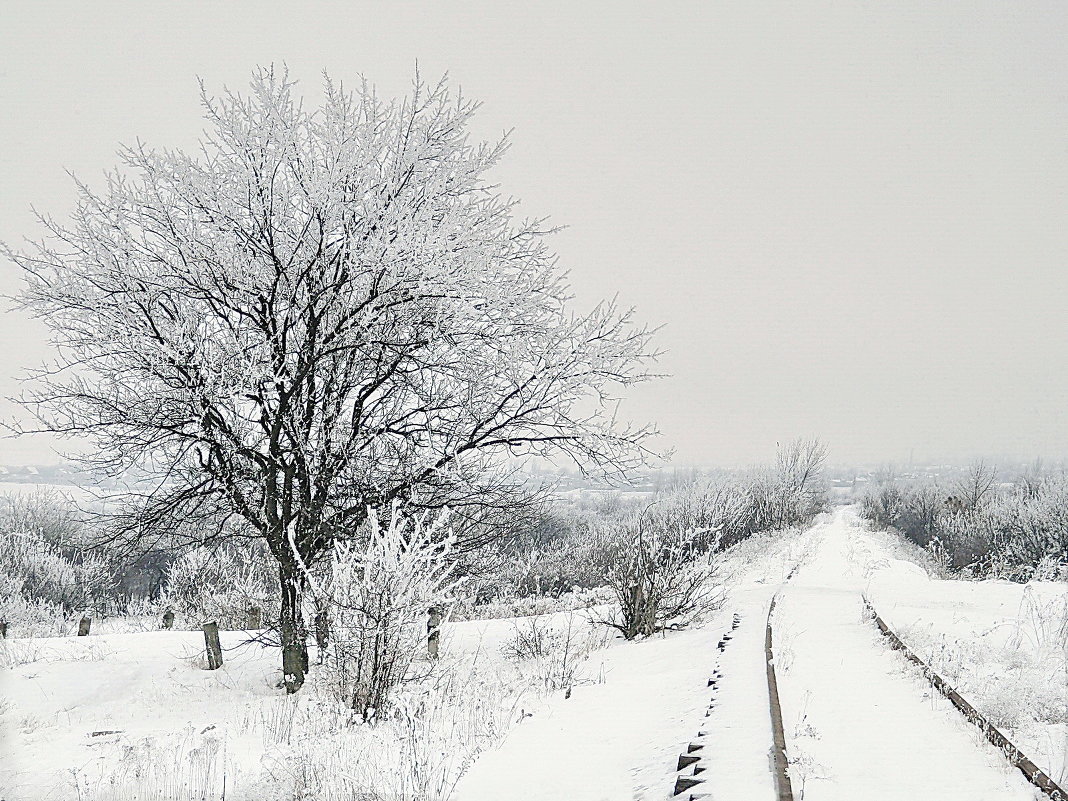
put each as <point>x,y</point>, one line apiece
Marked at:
<point>690,763</point>
<point>994,736</point>
<point>859,707</point>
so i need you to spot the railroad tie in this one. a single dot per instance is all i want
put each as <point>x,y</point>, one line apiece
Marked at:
<point>691,759</point>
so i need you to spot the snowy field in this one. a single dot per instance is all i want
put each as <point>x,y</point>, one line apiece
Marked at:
<point>133,714</point>
<point>1002,645</point>
<point>124,715</point>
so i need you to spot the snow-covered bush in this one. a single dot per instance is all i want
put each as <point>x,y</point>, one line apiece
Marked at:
<point>220,584</point>
<point>579,558</point>
<point>724,508</point>
<point>576,547</point>
<point>437,727</point>
<point>45,514</point>
<point>551,650</point>
<point>379,593</point>
<point>1012,531</point>
<point>530,605</point>
<point>661,579</point>
<point>30,618</point>
<point>40,586</point>
<point>881,503</point>
<point>531,638</point>
<point>1028,526</point>
<point>790,494</point>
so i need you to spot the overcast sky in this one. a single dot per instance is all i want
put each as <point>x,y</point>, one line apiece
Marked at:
<point>851,218</point>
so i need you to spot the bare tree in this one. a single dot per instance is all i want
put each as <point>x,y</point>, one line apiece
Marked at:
<point>323,312</point>
<point>801,462</point>
<point>792,493</point>
<point>976,483</point>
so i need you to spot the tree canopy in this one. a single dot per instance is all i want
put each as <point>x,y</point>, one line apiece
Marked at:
<point>319,313</point>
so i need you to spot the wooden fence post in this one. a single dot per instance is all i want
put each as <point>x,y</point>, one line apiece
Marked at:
<point>83,626</point>
<point>213,645</point>
<point>433,631</point>
<point>322,629</point>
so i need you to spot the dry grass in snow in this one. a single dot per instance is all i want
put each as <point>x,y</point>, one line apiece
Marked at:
<point>1002,645</point>
<point>112,717</point>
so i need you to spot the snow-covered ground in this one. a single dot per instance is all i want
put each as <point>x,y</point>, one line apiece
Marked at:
<point>135,715</point>
<point>860,721</point>
<point>122,715</point>
<point>619,737</point>
<point>1002,645</point>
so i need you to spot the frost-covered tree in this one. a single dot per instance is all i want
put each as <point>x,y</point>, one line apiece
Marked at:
<point>977,483</point>
<point>320,312</point>
<point>800,477</point>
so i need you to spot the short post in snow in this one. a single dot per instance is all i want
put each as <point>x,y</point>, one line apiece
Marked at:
<point>213,645</point>
<point>255,619</point>
<point>433,631</point>
<point>84,625</point>
<point>168,619</point>
<point>322,629</point>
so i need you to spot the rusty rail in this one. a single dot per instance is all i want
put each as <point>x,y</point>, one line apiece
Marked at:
<point>1029,769</point>
<point>780,765</point>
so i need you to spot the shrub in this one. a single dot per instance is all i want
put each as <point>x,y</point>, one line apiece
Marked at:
<point>576,547</point>
<point>532,638</point>
<point>46,514</point>
<point>552,655</point>
<point>379,594</point>
<point>1008,531</point>
<point>38,582</point>
<point>220,584</point>
<point>660,580</point>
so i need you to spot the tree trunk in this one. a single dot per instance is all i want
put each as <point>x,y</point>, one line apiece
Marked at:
<point>294,635</point>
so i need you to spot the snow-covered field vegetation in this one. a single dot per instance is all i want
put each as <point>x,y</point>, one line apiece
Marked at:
<point>981,525</point>
<point>1002,644</point>
<point>523,677</point>
<point>543,624</point>
<point>118,716</point>
<point>981,593</point>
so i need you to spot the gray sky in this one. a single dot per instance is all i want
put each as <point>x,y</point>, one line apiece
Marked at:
<point>850,217</point>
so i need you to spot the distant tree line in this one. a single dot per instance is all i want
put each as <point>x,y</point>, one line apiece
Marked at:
<point>978,525</point>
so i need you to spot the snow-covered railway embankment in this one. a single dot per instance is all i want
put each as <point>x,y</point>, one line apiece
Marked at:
<point>1016,757</point>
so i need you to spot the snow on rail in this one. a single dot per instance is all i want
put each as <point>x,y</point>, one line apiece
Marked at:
<point>779,762</point>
